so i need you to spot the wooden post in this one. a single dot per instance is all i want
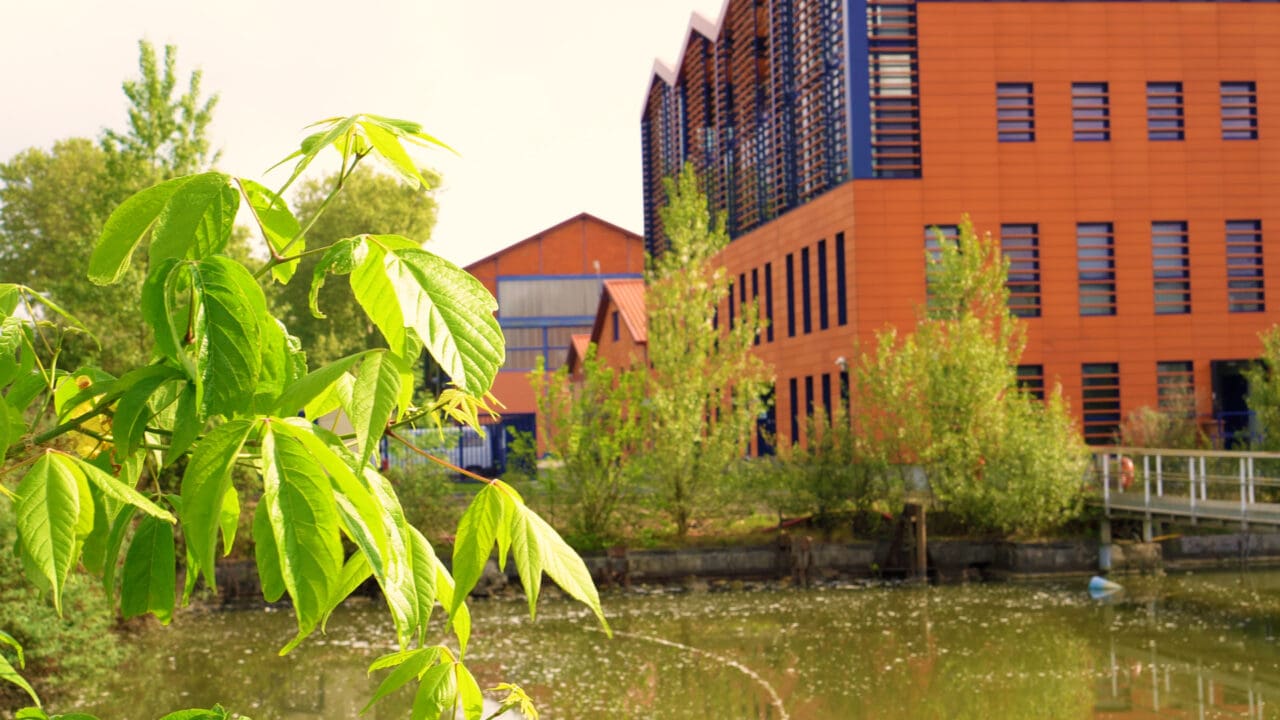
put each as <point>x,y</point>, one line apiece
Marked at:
<point>922,548</point>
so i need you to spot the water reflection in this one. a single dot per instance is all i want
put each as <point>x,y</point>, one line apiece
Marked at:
<point>1195,647</point>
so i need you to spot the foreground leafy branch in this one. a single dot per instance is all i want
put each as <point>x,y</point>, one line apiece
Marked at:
<point>229,388</point>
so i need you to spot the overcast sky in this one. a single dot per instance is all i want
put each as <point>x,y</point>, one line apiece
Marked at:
<point>541,98</point>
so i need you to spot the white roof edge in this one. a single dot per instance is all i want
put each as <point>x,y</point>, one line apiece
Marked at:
<point>699,24</point>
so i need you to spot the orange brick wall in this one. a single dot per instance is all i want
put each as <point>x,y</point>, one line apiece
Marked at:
<point>623,352</point>
<point>965,49</point>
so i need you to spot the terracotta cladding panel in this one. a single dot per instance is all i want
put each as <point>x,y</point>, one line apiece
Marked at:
<point>522,259</point>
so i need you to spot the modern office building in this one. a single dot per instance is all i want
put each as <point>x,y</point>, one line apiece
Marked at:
<point>1125,154</point>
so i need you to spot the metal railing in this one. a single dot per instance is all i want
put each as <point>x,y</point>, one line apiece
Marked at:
<point>1196,484</point>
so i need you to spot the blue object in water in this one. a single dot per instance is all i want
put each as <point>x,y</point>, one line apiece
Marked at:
<point>1099,586</point>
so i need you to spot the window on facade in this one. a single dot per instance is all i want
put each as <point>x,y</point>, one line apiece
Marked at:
<point>1101,401</point>
<point>1164,111</point>
<point>1239,111</point>
<point>1171,268</point>
<point>1176,388</point>
<point>791,295</point>
<point>794,387</point>
<point>808,396</point>
<point>1031,379</point>
<point>526,344</point>
<point>755,298</point>
<point>1096,265</point>
<point>824,313</point>
<point>805,295</point>
<point>1015,112</point>
<point>1245,291</point>
<point>768,301</point>
<point>842,290</point>
<point>1020,245</point>
<point>731,313</point>
<point>613,317</point>
<point>1090,112</point>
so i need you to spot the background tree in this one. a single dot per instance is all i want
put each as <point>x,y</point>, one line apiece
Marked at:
<point>53,204</point>
<point>595,429</point>
<point>704,386</point>
<point>1264,392</point>
<point>372,202</point>
<point>167,135</point>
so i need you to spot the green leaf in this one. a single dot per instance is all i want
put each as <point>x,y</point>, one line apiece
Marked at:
<point>304,522</point>
<point>373,398</point>
<point>149,577</point>
<point>115,539</point>
<point>313,144</point>
<point>197,221</point>
<point>186,425</point>
<point>277,365</point>
<point>7,639</point>
<point>474,544</point>
<point>215,713</point>
<point>354,572</point>
<point>278,225</point>
<point>12,426</point>
<point>341,258</point>
<point>229,519</point>
<point>469,693</point>
<point>437,691</point>
<point>411,665</point>
<point>267,556</point>
<point>303,390</point>
<point>10,296</point>
<point>204,485</point>
<point>124,230</point>
<point>389,147</point>
<point>371,516</point>
<point>117,490</point>
<point>9,674</point>
<point>227,335</point>
<point>163,280</point>
<point>133,410</point>
<point>460,620</point>
<point>48,511</point>
<point>537,547</point>
<point>402,287</point>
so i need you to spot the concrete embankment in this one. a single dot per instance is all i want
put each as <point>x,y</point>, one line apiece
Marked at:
<point>804,561</point>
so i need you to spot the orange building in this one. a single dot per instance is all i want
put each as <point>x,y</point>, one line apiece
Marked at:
<point>548,287</point>
<point>1126,155</point>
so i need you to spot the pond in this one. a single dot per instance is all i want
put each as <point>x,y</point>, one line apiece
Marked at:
<point>1197,646</point>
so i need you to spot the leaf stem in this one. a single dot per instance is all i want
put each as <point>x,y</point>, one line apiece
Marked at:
<point>438,460</point>
<point>278,258</point>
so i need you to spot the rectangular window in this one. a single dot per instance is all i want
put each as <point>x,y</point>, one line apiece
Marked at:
<point>1176,387</point>
<point>842,290</point>
<point>824,313</point>
<point>795,409</point>
<point>791,295</point>
<point>1015,112</point>
<point>808,395</point>
<point>826,394</point>
<point>755,298</point>
<point>1165,120</point>
<point>1101,402</point>
<point>805,291</point>
<point>1090,112</point>
<point>1020,245</point>
<point>933,237</point>
<point>1096,265</point>
<point>1245,291</point>
<point>614,318</point>
<point>1171,268</point>
<point>742,291</point>
<point>768,301</point>
<point>1031,380</point>
<point>731,314</point>
<point>1239,111</point>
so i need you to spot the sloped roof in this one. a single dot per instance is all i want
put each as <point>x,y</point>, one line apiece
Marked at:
<point>580,217</point>
<point>628,295</point>
<point>578,348</point>
<point>662,72</point>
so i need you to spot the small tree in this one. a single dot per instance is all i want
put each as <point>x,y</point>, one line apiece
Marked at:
<point>1264,391</point>
<point>594,429</point>
<point>947,398</point>
<point>703,388</point>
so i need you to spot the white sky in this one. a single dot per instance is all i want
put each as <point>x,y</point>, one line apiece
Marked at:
<point>541,98</point>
